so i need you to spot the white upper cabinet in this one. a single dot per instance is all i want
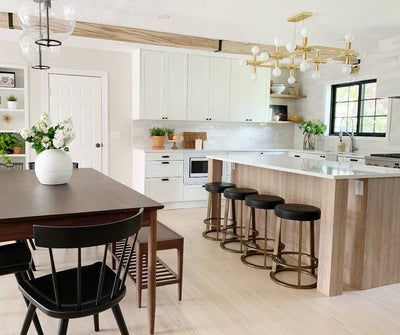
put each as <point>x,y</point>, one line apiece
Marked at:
<point>249,100</point>
<point>162,86</point>
<point>198,87</point>
<point>218,102</point>
<point>208,93</point>
<point>176,86</point>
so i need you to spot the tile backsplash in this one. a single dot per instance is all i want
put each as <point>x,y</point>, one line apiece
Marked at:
<point>222,135</point>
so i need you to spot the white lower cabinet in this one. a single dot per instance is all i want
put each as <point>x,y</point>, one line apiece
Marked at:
<point>165,189</point>
<point>164,168</point>
<point>194,193</point>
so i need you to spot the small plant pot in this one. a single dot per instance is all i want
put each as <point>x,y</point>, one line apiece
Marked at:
<point>170,137</point>
<point>17,150</point>
<point>12,104</point>
<point>158,142</point>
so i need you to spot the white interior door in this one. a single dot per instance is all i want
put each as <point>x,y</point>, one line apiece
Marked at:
<point>79,97</point>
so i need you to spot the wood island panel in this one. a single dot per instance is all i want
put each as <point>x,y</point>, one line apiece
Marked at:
<point>358,236</point>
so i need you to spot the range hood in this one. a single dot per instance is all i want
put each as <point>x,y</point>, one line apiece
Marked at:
<point>388,68</point>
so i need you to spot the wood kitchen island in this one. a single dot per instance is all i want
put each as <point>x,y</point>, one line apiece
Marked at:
<point>358,236</point>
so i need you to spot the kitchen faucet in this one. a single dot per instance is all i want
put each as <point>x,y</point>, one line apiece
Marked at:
<point>352,148</point>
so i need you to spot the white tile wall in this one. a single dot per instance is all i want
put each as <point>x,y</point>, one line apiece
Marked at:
<point>222,135</point>
<point>316,105</point>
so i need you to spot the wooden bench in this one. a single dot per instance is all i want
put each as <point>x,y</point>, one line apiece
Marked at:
<point>138,270</point>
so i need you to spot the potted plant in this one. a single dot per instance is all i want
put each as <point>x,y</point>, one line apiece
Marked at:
<point>7,142</point>
<point>158,136</point>
<point>311,129</point>
<point>12,102</point>
<point>170,133</point>
<point>17,147</point>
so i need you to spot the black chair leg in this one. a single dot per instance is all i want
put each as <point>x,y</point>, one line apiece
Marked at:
<point>24,276</point>
<point>96,322</point>
<point>120,320</point>
<point>28,319</point>
<point>33,246</point>
<point>62,329</point>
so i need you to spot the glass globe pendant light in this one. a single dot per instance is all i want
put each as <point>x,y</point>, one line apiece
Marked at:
<point>48,22</point>
<point>36,55</point>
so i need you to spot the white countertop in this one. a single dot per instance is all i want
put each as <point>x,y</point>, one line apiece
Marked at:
<point>312,167</point>
<point>147,149</point>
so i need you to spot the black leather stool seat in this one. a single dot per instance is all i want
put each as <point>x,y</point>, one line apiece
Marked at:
<point>238,193</point>
<point>14,258</point>
<point>263,201</point>
<point>218,187</point>
<point>298,212</point>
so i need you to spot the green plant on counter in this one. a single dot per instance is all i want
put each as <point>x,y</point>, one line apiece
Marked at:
<point>12,98</point>
<point>315,127</point>
<point>155,131</point>
<point>7,143</point>
<point>169,131</point>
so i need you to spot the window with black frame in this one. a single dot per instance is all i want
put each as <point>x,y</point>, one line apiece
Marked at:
<point>356,105</point>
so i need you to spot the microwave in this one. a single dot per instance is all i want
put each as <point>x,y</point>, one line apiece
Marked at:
<point>195,167</point>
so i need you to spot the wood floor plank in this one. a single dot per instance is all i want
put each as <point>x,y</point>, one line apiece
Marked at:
<point>222,296</point>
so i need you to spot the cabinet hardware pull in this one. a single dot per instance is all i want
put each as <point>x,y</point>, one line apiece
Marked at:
<point>322,156</point>
<point>164,156</point>
<point>164,179</point>
<point>353,160</point>
<point>297,156</point>
<point>164,162</point>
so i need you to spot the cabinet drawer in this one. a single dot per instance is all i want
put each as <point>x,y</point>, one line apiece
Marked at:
<point>354,160</point>
<point>165,168</point>
<point>194,192</point>
<point>158,156</point>
<point>165,189</point>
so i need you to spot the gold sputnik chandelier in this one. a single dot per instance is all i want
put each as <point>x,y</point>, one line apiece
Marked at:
<point>303,57</point>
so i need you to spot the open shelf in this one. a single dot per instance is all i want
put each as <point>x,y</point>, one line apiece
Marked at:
<point>287,96</point>
<point>18,89</point>
<point>285,122</point>
<point>12,110</point>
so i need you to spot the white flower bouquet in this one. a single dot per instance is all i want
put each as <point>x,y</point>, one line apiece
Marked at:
<point>45,136</point>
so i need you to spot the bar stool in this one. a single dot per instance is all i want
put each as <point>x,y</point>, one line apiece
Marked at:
<point>214,225</point>
<point>251,248</point>
<point>295,212</point>
<point>232,194</point>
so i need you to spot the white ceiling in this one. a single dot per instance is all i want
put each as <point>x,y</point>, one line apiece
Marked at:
<point>247,20</point>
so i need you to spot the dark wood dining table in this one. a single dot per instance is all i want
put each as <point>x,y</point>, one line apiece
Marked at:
<point>89,198</point>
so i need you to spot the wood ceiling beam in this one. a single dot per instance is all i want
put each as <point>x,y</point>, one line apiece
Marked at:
<point>142,36</point>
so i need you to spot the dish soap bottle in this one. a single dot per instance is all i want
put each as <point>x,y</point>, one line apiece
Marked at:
<point>341,146</point>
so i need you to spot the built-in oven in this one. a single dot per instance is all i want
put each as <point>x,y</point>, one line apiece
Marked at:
<point>195,167</point>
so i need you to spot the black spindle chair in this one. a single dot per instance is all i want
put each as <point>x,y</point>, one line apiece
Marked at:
<point>16,258</point>
<point>83,290</point>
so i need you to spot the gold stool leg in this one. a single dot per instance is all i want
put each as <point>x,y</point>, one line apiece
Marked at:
<point>312,247</point>
<point>241,225</point>
<point>276,247</point>
<point>208,212</point>
<point>218,223</point>
<point>247,228</point>
<point>265,238</point>
<point>300,251</point>
<point>225,219</point>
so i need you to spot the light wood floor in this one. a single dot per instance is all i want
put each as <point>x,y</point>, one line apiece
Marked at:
<point>223,296</point>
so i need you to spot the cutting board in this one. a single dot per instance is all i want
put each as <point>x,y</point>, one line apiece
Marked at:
<point>190,137</point>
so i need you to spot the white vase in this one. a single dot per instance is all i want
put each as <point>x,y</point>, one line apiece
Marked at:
<point>53,167</point>
<point>12,104</point>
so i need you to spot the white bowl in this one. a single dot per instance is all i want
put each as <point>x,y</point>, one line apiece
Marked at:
<point>278,88</point>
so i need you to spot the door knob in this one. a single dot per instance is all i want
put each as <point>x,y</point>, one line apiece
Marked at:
<point>98,145</point>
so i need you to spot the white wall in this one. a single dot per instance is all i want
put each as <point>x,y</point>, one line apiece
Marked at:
<point>316,106</point>
<point>118,65</point>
